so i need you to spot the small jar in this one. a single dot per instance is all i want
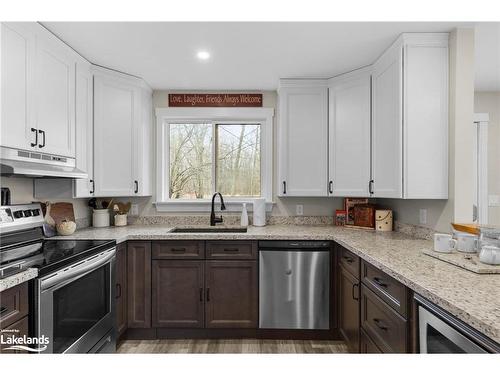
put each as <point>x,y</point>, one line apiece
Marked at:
<point>100,218</point>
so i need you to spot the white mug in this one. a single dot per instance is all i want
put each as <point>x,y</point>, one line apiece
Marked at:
<point>466,242</point>
<point>444,243</point>
<point>490,255</point>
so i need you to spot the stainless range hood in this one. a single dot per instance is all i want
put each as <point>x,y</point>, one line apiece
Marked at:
<point>33,164</point>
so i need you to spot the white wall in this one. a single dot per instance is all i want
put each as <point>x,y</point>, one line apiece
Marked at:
<point>283,206</point>
<point>489,102</point>
<point>21,190</point>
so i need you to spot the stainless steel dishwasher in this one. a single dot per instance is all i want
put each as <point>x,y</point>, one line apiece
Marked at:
<point>294,284</point>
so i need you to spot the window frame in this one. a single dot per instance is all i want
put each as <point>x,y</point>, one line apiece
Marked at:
<point>166,116</point>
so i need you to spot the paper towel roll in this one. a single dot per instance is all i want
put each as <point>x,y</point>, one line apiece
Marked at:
<point>259,212</point>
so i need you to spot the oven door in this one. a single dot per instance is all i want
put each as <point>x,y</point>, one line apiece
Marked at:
<point>76,304</point>
<point>437,336</point>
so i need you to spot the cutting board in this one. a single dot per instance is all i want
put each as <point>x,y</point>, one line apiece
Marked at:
<point>62,211</point>
<point>471,262</point>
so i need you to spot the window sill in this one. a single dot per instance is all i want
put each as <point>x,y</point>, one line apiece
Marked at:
<point>206,205</point>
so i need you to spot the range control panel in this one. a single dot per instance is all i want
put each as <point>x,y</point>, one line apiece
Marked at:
<point>20,216</point>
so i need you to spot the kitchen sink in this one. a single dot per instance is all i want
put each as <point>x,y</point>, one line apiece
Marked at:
<point>209,230</point>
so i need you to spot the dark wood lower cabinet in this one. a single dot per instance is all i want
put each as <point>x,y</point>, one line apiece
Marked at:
<point>387,329</point>
<point>121,288</point>
<point>17,329</point>
<point>139,284</point>
<point>367,346</point>
<point>349,309</point>
<point>231,294</point>
<point>178,294</point>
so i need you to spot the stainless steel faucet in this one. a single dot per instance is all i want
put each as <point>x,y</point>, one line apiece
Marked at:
<point>216,219</point>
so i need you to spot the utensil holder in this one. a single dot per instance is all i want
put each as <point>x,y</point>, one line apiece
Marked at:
<point>100,218</point>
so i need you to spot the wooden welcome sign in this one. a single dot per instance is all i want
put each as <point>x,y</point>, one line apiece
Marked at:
<point>215,100</point>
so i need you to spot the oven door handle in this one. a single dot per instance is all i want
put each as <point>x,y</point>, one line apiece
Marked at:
<point>78,270</point>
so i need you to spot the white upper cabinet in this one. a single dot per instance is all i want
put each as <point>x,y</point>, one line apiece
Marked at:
<point>425,143</point>
<point>119,137</point>
<point>349,134</point>
<point>144,141</point>
<point>17,61</point>
<point>55,95</point>
<point>387,112</point>
<point>410,119</point>
<point>303,138</point>
<point>84,129</point>
<point>38,90</point>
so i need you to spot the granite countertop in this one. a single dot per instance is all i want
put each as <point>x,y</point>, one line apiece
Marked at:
<point>18,278</point>
<point>473,298</point>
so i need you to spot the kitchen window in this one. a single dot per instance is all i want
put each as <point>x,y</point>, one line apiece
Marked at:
<point>201,151</point>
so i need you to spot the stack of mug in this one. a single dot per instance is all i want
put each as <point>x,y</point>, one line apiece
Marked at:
<point>487,244</point>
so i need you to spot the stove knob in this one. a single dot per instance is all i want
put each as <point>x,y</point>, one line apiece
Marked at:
<point>18,214</point>
<point>35,212</point>
<point>27,213</point>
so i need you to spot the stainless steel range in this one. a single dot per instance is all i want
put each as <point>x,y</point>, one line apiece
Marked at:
<point>72,299</point>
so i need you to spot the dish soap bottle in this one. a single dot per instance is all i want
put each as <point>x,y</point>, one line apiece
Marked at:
<point>244,216</point>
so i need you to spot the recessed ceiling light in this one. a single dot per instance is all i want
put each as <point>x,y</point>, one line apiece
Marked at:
<point>203,55</point>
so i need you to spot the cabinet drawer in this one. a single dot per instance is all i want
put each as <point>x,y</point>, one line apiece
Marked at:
<point>17,329</point>
<point>367,346</point>
<point>178,249</point>
<point>349,260</point>
<point>13,304</point>
<point>386,287</point>
<point>384,326</point>
<point>231,249</point>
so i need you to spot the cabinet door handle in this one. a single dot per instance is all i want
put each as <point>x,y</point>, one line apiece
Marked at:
<point>118,291</point>
<point>2,310</point>
<point>379,324</point>
<point>179,250</point>
<point>42,132</point>
<point>330,187</point>
<point>208,294</point>
<point>370,187</point>
<point>136,183</point>
<point>93,186</point>
<point>33,144</point>
<point>201,294</point>
<point>348,259</point>
<point>355,295</point>
<point>380,282</point>
<point>284,187</point>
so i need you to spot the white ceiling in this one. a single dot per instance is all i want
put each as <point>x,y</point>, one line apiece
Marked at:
<point>248,56</point>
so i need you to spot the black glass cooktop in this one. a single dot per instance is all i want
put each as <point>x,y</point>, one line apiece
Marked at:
<point>51,255</point>
<point>59,253</point>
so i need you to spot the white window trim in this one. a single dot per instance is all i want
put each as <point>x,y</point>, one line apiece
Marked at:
<point>169,115</point>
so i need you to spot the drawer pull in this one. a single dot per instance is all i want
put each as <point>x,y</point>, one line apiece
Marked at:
<point>379,324</point>
<point>355,295</point>
<point>232,250</point>
<point>179,250</point>
<point>118,291</point>
<point>2,310</point>
<point>380,282</point>
<point>348,259</point>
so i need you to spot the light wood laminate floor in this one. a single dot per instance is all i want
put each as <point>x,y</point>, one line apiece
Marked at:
<point>230,346</point>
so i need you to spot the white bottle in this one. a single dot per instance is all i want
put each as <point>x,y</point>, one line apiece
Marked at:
<point>244,216</point>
